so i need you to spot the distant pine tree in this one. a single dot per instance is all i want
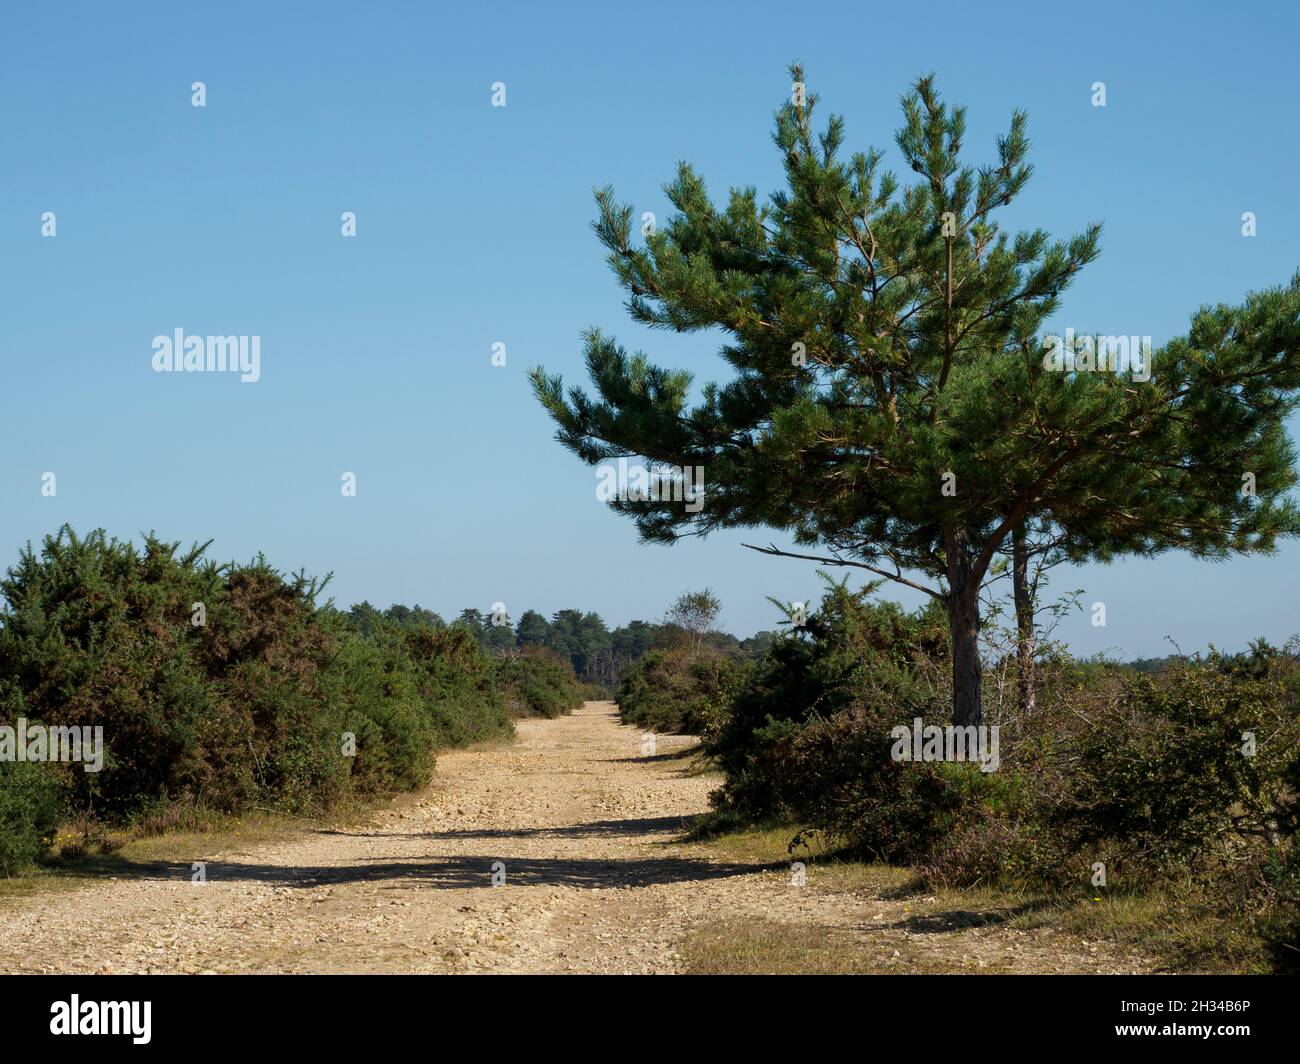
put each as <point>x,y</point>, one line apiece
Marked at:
<point>533,629</point>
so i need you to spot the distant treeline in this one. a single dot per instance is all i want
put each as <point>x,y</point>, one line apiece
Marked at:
<point>1152,665</point>
<point>597,654</point>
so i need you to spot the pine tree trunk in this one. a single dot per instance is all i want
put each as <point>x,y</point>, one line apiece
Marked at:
<point>964,627</point>
<point>1026,639</point>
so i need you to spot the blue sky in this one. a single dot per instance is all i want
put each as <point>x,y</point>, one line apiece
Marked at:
<point>473,229</point>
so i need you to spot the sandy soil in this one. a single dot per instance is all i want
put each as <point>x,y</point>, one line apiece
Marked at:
<point>594,881</point>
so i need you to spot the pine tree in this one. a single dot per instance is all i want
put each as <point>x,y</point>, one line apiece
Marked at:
<point>533,629</point>
<point>891,403</point>
<point>580,637</point>
<point>475,621</point>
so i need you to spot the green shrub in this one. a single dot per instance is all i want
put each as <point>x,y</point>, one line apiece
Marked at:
<point>836,776</point>
<point>226,686</point>
<point>372,685</point>
<point>1161,774</point>
<point>454,680</point>
<point>680,690</point>
<point>31,808</point>
<point>1278,923</point>
<point>538,683</point>
<point>1148,774</point>
<point>850,654</point>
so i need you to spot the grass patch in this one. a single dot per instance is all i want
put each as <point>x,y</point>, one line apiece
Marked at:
<point>769,947</point>
<point>763,946</point>
<point>1181,925</point>
<point>1175,926</point>
<point>824,858</point>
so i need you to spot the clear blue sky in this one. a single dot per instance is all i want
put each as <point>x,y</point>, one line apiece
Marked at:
<point>473,228</point>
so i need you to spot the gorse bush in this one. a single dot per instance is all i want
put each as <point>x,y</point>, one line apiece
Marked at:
<point>1279,922</point>
<point>852,655</point>
<point>807,739</point>
<point>454,681</point>
<point>249,705</point>
<point>223,686</point>
<point>685,682</point>
<point>835,775</point>
<point>538,683</point>
<point>680,689</point>
<point>31,807</point>
<point>1153,786</point>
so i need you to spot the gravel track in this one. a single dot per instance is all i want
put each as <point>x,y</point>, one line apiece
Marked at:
<point>594,881</point>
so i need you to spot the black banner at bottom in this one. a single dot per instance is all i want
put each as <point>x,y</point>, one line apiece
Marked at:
<point>306,1013</point>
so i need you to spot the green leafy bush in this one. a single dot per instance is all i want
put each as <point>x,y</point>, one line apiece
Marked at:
<point>538,683</point>
<point>454,680</point>
<point>1166,770</point>
<point>870,660</point>
<point>31,808</point>
<point>835,775</point>
<point>681,689</point>
<point>227,686</point>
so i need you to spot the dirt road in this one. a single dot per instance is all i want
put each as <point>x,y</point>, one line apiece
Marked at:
<point>584,827</point>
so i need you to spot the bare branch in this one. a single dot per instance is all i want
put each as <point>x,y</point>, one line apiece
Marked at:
<point>896,577</point>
